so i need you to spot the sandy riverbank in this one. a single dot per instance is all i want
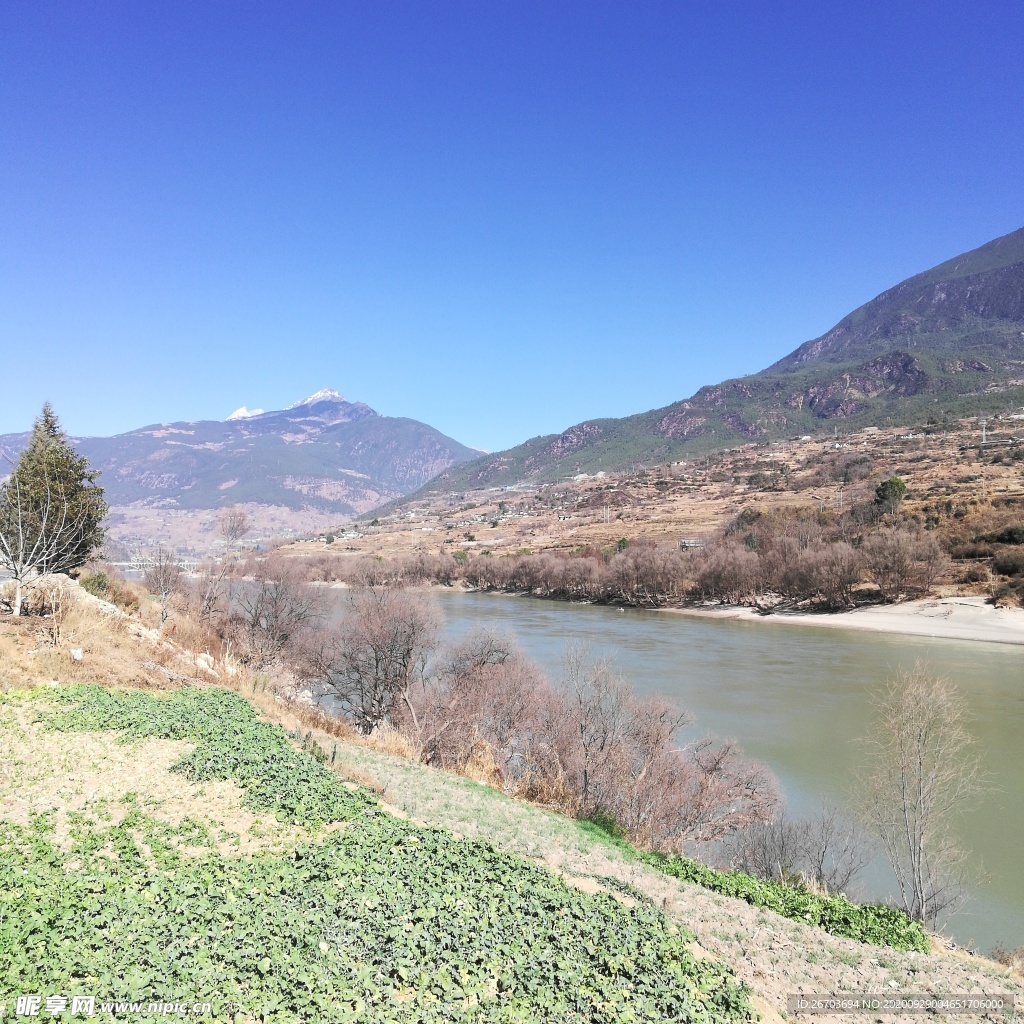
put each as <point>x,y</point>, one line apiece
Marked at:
<point>951,618</point>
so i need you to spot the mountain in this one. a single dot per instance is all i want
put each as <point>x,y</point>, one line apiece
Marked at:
<point>949,341</point>
<point>322,454</point>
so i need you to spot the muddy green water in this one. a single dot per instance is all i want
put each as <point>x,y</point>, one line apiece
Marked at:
<point>796,698</point>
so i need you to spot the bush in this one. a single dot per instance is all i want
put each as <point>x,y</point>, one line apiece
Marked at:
<point>1009,563</point>
<point>876,923</point>
<point>95,583</point>
<point>1011,535</point>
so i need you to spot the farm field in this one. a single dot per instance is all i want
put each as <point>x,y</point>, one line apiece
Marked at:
<point>175,847</point>
<point>174,840</point>
<point>286,895</point>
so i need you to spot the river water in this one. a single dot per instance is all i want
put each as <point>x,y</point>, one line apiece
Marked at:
<point>797,697</point>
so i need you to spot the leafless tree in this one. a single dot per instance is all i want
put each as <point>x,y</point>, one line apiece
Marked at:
<point>274,612</point>
<point>835,850</point>
<point>769,849</point>
<point>379,653</point>
<point>625,761</point>
<point>234,525</point>
<point>919,775</point>
<point>211,586</point>
<point>900,563</point>
<point>823,850</point>
<point>163,578</point>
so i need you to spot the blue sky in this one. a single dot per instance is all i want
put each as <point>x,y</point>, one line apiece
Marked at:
<point>499,218</point>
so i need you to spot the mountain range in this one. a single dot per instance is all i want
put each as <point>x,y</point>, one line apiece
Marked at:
<point>323,454</point>
<point>947,342</point>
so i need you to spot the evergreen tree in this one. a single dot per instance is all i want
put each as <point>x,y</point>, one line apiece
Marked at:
<point>51,508</point>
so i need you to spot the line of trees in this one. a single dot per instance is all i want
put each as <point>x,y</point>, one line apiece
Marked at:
<point>793,558</point>
<point>587,744</point>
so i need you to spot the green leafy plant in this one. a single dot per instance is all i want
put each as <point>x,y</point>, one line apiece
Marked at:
<point>380,920</point>
<point>874,923</point>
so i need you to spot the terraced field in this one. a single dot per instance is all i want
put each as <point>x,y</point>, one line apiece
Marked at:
<point>245,874</point>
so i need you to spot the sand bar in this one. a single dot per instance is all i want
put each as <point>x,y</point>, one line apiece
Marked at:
<point>950,618</point>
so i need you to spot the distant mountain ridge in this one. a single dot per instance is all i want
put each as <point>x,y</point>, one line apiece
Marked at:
<point>946,341</point>
<point>322,453</point>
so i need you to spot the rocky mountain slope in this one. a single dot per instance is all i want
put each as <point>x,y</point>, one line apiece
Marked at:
<point>322,454</point>
<point>949,341</point>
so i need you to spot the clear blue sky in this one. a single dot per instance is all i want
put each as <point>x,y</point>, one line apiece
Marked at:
<point>497,217</point>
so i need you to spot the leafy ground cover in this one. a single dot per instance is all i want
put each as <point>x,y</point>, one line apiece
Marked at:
<point>376,920</point>
<point>875,923</point>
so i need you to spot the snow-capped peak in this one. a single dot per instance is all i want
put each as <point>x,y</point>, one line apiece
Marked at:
<point>323,395</point>
<point>245,414</point>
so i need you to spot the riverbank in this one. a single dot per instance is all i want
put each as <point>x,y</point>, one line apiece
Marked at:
<point>948,618</point>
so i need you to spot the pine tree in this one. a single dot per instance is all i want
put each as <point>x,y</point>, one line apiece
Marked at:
<point>51,508</point>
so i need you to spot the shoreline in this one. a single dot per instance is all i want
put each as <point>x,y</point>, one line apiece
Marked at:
<point>944,618</point>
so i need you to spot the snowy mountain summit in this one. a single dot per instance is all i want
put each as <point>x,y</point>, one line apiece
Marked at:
<point>323,395</point>
<point>244,414</point>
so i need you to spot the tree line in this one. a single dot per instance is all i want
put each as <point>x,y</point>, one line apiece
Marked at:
<point>792,556</point>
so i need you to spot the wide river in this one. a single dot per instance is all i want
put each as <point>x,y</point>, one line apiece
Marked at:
<point>797,697</point>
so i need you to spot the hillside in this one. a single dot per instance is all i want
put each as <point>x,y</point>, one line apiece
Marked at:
<point>322,457</point>
<point>288,889</point>
<point>947,342</point>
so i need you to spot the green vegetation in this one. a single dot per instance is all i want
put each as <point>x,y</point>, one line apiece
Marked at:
<point>874,923</point>
<point>889,494</point>
<point>231,743</point>
<point>1011,535</point>
<point>379,920</point>
<point>51,508</point>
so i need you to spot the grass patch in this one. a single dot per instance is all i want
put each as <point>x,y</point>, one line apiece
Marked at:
<point>378,921</point>
<point>874,923</point>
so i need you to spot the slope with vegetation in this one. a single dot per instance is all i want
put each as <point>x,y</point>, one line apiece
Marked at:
<point>379,919</point>
<point>945,343</point>
<point>286,892</point>
<point>826,524</point>
<point>324,455</point>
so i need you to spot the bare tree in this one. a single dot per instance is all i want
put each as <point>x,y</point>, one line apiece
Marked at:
<point>823,850</point>
<point>919,775</point>
<point>835,850</point>
<point>234,525</point>
<point>40,532</point>
<point>769,849</point>
<point>379,654</point>
<point>163,578</point>
<point>274,612</point>
<point>900,563</point>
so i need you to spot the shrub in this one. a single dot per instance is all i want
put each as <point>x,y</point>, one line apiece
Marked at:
<point>1009,563</point>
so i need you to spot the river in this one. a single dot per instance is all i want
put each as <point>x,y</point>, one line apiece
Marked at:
<point>797,698</point>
